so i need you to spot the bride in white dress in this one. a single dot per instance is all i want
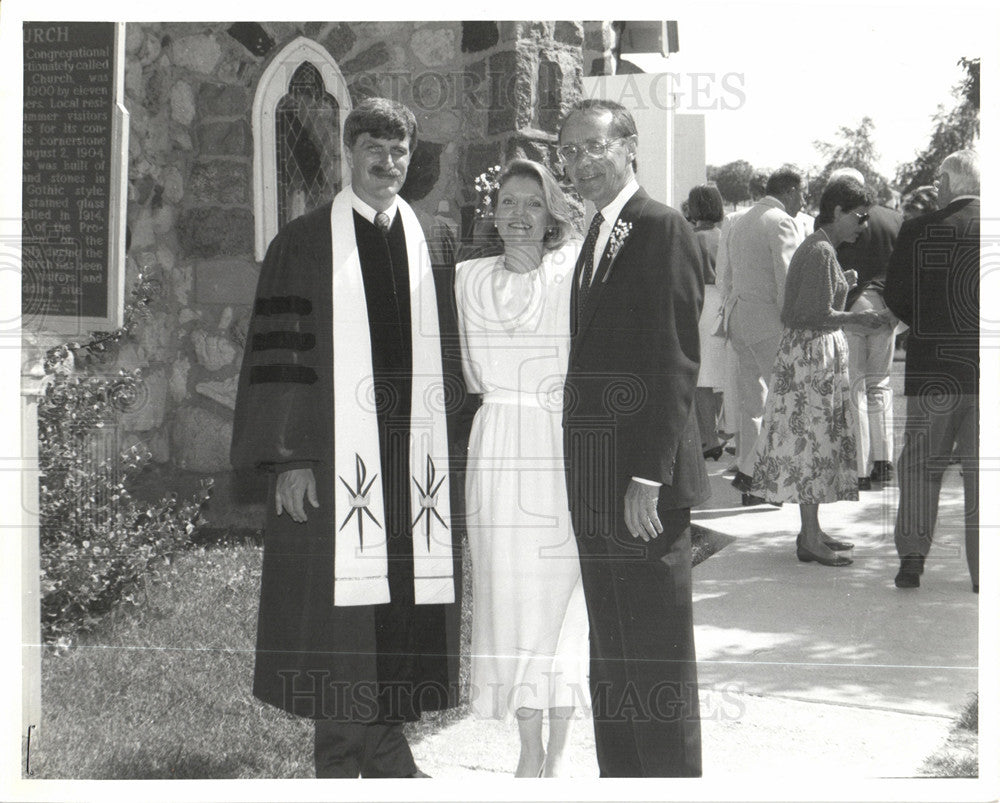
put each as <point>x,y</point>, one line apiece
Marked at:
<point>529,623</point>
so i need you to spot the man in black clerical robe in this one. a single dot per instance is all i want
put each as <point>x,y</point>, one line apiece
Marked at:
<point>341,401</point>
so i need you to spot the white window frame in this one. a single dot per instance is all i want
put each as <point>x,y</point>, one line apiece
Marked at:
<point>271,88</point>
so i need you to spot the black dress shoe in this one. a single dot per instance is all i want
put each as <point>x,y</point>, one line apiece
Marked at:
<point>715,453</point>
<point>806,556</point>
<point>742,482</point>
<point>910,569</point>
<point>882,471</point>
<point>864,483</point>
<point>418,774</point>
<point>749,500</point>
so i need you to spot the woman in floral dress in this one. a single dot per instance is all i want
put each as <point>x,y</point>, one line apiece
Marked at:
<point>806,451</point>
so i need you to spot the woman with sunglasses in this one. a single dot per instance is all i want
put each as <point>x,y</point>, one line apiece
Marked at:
<point>806,451</point>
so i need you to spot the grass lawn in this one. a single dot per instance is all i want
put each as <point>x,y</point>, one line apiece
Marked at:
<point>162,690</point>
<point>959,756</point>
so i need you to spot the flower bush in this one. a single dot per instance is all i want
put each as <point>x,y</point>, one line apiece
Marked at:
<point>97,541</point>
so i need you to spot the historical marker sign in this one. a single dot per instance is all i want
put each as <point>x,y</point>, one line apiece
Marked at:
<point>73,177</point>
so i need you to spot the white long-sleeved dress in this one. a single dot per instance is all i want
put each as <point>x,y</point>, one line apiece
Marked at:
<point>529,622</point>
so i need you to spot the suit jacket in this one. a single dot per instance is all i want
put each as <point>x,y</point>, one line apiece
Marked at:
<point>759,247</point>
<point>869,254</point>
<point>633,366</point>
<point>932,285</point>
<point>723,266</point>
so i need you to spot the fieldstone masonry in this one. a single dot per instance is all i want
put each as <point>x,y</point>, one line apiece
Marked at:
<point>482,92</point>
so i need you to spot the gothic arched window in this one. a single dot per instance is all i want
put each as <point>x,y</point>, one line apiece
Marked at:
<point>298,119</point>
<point>307,139</point>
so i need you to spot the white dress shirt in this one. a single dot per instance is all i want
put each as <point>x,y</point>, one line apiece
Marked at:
<point>368,212</point>
<point>611,213</point>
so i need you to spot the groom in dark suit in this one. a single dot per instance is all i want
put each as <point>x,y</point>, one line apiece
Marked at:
<point>634,461</point>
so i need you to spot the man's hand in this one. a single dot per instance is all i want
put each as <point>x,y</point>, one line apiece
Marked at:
<point>293,486</point>
<point>640,510</point>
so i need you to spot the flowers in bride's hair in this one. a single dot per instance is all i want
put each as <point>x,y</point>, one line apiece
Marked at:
<point>487,183</point>
<point>618,236</point>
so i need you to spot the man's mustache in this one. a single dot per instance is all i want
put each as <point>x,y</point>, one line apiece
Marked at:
<point>381,172</point>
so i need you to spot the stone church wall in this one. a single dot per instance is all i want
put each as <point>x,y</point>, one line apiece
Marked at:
<point>482,92</point>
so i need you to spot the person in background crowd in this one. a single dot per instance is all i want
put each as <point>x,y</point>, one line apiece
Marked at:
<point>932,285</point>
<point>760,248</point>
<point>705,208</point>
<point>919,202</point>
<point>757,188</point>
<point>871,351</point>
<point>806,449</point>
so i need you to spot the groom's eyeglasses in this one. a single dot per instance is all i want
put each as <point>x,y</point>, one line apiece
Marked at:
<point>861,216</point>
<point>595,148</point>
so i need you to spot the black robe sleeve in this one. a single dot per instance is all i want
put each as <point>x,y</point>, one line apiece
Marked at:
<point>284,403</point>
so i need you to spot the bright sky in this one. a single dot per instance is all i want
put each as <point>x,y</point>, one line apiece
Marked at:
<point>809,69</point>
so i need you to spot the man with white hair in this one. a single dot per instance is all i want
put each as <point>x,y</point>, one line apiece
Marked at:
<point>870,351</point>
<point>933,285</point>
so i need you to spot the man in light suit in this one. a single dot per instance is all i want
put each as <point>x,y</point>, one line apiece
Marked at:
<point>760,247</point>
<point>634,461</point>
<point>932,284</point>
<point>724,283</point>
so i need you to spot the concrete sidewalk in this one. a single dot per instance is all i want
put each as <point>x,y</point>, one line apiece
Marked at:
<point>804,670</point>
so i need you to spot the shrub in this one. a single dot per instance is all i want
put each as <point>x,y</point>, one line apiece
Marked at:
<point>97,541</point>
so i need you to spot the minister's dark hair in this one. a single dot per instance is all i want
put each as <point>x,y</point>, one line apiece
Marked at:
<point>381,118</point>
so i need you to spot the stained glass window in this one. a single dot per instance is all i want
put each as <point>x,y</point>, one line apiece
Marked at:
<point>307,121</point>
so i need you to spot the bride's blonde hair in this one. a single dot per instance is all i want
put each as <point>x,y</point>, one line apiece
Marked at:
<point>563,226</point>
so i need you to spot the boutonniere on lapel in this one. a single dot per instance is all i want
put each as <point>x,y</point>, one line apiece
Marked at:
<point>619,234</point>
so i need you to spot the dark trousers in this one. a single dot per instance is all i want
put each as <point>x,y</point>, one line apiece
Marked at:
<point>643,677</point>
<point>372,750</point>
<point>937,427</point>
<point>707,407</point>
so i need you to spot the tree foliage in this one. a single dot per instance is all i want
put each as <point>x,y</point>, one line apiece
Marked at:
<point>733,181</point>
<point>854,148</point>
<point>953,131</point>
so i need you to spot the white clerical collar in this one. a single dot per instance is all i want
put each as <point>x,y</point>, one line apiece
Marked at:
<point>613,209</point>
<point>367,211</point>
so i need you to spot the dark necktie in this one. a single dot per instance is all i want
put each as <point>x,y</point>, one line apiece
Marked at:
<point>382,221</point>
<point>589,245</point>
